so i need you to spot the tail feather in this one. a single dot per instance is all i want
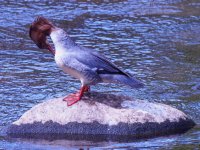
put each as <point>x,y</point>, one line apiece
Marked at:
<point>122,79</point>
<point>130,81</point>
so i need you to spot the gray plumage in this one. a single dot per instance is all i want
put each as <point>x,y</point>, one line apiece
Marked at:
<point>88,66</point>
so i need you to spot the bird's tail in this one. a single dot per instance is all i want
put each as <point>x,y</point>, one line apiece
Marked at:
<point>130,81</point>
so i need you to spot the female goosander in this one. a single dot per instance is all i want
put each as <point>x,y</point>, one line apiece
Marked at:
<point>88,66</point>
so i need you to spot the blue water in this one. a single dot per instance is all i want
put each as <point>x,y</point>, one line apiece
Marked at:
<point>157,41</point>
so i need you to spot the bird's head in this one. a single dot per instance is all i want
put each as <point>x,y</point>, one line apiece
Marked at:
<point>39,30</point>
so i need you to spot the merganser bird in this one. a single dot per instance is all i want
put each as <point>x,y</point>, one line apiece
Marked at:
<point>88,66</point>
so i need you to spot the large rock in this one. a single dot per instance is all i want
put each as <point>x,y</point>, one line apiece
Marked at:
<point>104,115</point>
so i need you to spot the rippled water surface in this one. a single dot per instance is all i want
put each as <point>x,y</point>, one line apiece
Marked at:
<point>158,41</point>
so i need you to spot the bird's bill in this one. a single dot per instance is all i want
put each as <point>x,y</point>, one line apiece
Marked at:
<point>50,49</point>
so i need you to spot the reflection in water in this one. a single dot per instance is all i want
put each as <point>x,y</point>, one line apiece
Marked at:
<point>157,41</point>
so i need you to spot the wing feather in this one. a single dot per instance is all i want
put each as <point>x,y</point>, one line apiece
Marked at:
<point>97,61</point>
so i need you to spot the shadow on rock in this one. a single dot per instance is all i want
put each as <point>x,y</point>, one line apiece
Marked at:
<point>111,100</point>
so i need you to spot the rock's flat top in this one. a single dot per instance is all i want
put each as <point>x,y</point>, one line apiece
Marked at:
<point>101,114</point>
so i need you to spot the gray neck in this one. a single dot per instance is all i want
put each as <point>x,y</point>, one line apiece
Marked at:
<point>61,40</point>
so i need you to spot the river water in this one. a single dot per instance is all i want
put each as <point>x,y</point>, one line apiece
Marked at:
<point>158,41</point>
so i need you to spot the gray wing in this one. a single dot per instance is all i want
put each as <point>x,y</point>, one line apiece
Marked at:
<point>95,60</point>
<point>96,68</point>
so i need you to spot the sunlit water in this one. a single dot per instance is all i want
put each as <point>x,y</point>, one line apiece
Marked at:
<point>157,41</point>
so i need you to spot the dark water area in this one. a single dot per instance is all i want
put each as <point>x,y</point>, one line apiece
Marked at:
<point>155,40</point>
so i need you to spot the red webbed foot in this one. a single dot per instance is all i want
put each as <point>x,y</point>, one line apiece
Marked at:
<point>74,98</point>
<point>71,99</point>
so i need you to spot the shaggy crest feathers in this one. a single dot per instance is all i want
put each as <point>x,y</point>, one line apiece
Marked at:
<point>39,30</point>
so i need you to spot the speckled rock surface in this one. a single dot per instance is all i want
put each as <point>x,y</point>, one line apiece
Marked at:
<point>104,115</point>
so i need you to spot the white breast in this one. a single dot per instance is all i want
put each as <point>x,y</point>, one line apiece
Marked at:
<point>67,69</point>
<point>61,57</point>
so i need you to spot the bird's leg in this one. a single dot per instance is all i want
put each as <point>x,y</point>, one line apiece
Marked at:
<point>73,98</point>
<point>87,88</point>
